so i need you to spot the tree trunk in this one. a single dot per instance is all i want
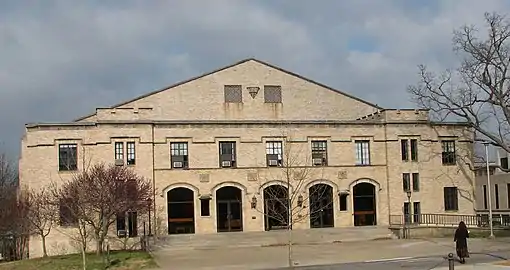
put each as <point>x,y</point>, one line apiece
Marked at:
<point>99,246</point>
<point>290,248</point>
<point>43,238</point>
<point>83,256</point>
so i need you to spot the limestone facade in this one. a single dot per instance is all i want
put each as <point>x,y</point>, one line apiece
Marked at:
<point>270,116</point>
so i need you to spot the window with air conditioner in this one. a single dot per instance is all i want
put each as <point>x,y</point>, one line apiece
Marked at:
<point>179,155</point>
<point>227,152</point>
<point>274,153</point>
<point>319,153</point>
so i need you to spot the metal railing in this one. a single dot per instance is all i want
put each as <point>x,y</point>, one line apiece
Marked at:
<point>479,220</point>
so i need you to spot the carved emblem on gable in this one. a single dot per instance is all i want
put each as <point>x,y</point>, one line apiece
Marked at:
<point>253,90</point>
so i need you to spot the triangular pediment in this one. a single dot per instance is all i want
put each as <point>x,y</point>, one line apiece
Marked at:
<point>204,98</point>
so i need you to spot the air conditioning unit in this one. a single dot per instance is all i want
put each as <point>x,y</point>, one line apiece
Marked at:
<point>226,163</point>
<point>119,162</point>
<point>273,162</point>
<point>121,233</point>
<point>317,161</point>
<point>177,164</point>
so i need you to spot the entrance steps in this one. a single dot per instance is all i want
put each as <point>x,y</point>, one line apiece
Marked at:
<point>271,238</point>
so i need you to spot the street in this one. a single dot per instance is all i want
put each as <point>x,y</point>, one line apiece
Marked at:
<point>383,254</point>
<point>418,263</point>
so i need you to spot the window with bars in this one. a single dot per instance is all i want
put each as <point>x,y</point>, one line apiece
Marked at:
<point>179,155</point>
<point>67,157</point>
<point>416,182</point>
<point>227,154</point>
<point>233,93</point>
<point>451,199</point>
<point>274,152</point>
<point>119,151</point>
<point>131,156</point>
<point>362,152</point>
<point>448,152</point>
<point>406,182</point>
<point>272,94</point>
<point>319,153</point>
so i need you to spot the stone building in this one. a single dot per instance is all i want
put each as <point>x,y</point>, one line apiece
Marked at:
<point>225,148</point>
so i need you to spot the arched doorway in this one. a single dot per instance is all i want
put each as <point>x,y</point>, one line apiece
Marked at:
<point>181,210</point>
<point>321,206</point>
<point>229,209</point>
<point>275,207</point>
<point>364,205</point>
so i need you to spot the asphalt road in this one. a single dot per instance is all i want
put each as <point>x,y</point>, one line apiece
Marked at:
<point>416,263</point>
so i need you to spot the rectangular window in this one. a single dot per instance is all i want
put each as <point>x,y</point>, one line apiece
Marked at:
<point>132,224</point>
<point>448,152</point>
<point>362,152</point>
<point>121,224</point>
<point>343,202</point>
<point>406,182</point>
<point>131,156</point>
<point>272,94</point>
<point>504,163</point>
<point>451,199</point>
<point>67,157</point>
<point>233,93</point>
<point>274,151</point>
<point>507,196</point>
<point>67,217</point>
<point>485,202</point>
<point>404,149</point>
<point>416,182</point>
<point>119,151</point>
<point>227,154</point>
<point>414,149</point>
<point>496,195</point>
<point>205,207</point>
<point>416,212</point>
<point>179,155</point>
<point>407,213</point>
<point>319,153</point>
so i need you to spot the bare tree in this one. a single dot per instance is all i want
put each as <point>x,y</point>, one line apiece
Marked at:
<point>14,230</point>
<point>300,192</point>
<point>478,91</point>
<point>42,213</point>
<point>97,195</point>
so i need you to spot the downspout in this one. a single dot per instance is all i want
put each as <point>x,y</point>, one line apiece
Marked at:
<point>387,170</point>
<point>154,230</point>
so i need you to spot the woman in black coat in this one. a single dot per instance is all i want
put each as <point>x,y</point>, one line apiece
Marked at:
<point>461,236</point>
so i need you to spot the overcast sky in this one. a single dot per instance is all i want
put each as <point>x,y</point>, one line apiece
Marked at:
<point>61,59</point>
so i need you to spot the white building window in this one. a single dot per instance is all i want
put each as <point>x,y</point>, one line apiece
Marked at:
<point>362,152</point>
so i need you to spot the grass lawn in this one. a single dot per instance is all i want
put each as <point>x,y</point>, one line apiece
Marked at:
<point>121,260</point>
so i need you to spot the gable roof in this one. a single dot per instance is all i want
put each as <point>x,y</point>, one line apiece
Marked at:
<point>233,65</point>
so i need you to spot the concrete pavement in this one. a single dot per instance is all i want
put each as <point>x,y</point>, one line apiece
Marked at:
<point>366,252</point>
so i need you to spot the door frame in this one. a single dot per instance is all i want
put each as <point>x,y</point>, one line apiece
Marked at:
<point>229,211</point>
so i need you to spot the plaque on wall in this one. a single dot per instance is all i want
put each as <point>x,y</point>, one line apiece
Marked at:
<point>252,177</point>
<point>204,178</point>
<point>342,174</point>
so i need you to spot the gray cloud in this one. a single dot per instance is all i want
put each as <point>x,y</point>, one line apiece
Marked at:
<point>61,59</point>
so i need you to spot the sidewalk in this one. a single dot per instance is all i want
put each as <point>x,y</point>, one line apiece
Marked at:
<point>480,266</point>
<point>275,257</point>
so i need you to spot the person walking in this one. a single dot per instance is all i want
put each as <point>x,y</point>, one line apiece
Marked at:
<point>460,239</point>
